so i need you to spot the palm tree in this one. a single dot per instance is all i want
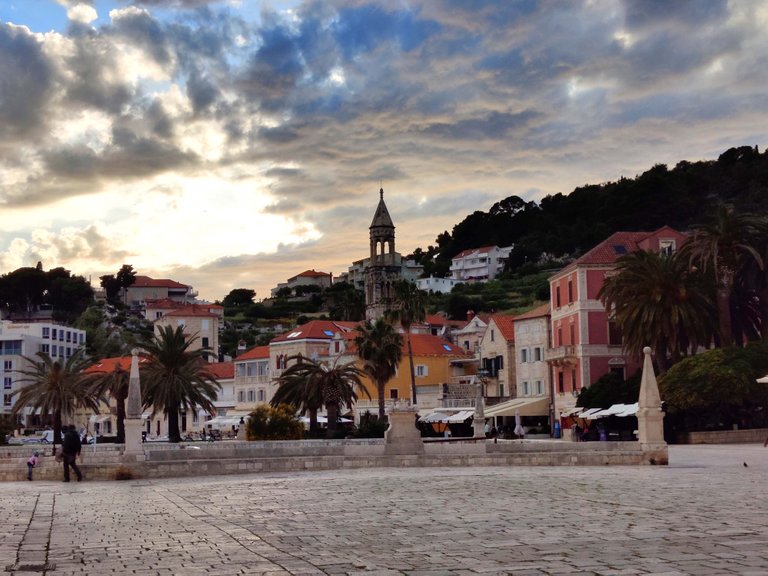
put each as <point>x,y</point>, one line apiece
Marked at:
<point>114,384</point>
<point>299,392</point>
<point>56,387</point>
<point>722,246</point>
<point>380,347</point>
<point>310,384</point>
<point>657,301</point>
<point>176,377</point>
<point>408,306</point>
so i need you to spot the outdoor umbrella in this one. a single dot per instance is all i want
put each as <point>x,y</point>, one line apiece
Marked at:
<point>518,425</point>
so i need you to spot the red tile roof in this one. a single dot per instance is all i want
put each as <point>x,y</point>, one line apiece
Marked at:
<point>483,250</point>
<point>196,310</point>
<point>620,243</point>
<point>222,370</point>
<point>107,365</point>
<point>147,282</point>
<point>312,274</point>
<point>538,312</point>
<point>428,345</point>
<point>168,303</point>
<point>316,330</point>
<point>255,353</point>
<point>506,325</point>
<point>440,320</point>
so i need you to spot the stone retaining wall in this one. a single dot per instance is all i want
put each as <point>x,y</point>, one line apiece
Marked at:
<point>240,457</point>
<point>724,437</point>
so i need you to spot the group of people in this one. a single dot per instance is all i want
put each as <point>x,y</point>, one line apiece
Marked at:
<point>71,447</point>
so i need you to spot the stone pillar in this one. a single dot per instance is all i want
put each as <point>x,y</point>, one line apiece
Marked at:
<point>134,448</point>
<point>402,436</point>
<point>242,429</point>
<point>478,421</point>
<point>650,418</point>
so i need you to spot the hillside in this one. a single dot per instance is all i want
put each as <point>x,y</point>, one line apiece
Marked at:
<point>568,225</point>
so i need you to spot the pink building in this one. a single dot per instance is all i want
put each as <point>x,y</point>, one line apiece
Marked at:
<point>585,344</point>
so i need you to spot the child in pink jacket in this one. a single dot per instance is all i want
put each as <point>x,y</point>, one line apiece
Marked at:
<point>31,463</point>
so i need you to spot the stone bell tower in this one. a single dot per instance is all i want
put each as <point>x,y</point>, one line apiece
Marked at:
<point>383,267</point>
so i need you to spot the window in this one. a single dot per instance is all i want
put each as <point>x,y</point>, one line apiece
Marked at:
<point>501,388</point>
<point>618,370</point>
<point>241,396</point>
<point>539,387</point>
<point>251,396</point>
<point>54,349</point>
<point>466,344</point>
<point>573,379</point>
<point>262,395</point>
<point>666,247</point>
<point>557,296</point>
<point>195,417</point>
<point>251,369</point>
<point>206,324</point>
<point>422,370</point>
<point>206,342</point>
<point>526,388</point>
<point>570,290</point>
<point>572,333</point>
<point>46,332</point>
<point>69,336</point>
<point>158,315</point>
<point>393,394</point>
<point>561,382</point>
<point>524,355</point>
<point>45,348</point>
<point>559,335</point>
<point>337,346</point>
<point>61,335</point>
<point>240,370</point>
<point>61,351</point>
<point>53,333</point>
<point>614,334</point>
<point>6,399</point>
<point>7,383</point>
<point>537,353</point>
<point>82,338</point>
<point>493,336</point>
<point>7,365</point>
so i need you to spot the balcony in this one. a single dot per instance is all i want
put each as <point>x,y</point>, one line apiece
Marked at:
<point>561,356</point>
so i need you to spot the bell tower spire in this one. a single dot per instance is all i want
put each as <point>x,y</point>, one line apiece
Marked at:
<point>383,266</point>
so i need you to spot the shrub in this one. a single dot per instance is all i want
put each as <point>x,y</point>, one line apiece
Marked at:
<point>274,423</point>
<point>370,428</point>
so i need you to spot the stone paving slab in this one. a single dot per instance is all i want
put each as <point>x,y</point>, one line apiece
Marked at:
<point>703,514</point>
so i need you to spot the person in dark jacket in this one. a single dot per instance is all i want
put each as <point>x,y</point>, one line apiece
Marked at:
<point>70,449</point>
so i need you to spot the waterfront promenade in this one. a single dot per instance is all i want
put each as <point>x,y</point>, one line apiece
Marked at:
<point>703,514</point>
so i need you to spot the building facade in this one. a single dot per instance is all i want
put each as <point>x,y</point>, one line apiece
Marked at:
<point>585,343</point>
<point>479,264</point>
<point>20,340</point>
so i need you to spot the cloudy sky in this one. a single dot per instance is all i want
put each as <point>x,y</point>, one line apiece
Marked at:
<point>235,143</point>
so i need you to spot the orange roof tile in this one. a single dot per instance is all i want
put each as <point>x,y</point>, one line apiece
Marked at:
<point>147,282</point>
<point>482,250</point>
<point>505,324</point>
<point>255,353</point>
<point>222,370</point>
<point>193,310</point>
<point>107,365</point>
<point>315,330</point>
<point>538,312</point>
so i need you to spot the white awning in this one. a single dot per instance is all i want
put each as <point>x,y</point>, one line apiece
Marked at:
<point>763,380</point>
<point>460,416</point>
<point>435,417</point>
<point>523,406</point>
<point>570,411</point>
<point>619,410</point>
<point>587,413</point>
<point>630,410</point>
<point>99,418</point>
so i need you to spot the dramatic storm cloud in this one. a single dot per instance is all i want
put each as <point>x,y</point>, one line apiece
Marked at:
<point>233,143</point>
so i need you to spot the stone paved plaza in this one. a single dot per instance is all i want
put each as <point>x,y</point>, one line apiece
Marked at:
<point>704,514</point>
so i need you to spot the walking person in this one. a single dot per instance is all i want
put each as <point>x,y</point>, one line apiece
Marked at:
<point>71,451</point>
<point>31,463</point>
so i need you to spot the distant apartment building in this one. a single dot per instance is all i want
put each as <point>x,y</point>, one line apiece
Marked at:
<point>312,277</point>
<point>19,340</point>
<point>586,344</point>
<point>145,288</point>
<point>479,264</point>
<point>199,321</point>
<point>253,378</point>
<point>355,275</point>
<point>441,285</point>
<point>497,356</point>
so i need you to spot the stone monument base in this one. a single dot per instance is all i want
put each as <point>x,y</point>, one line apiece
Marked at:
<point>402,436</point>
<point>134,447</point>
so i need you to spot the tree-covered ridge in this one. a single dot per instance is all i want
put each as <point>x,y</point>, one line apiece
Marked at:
<point>569,225</point>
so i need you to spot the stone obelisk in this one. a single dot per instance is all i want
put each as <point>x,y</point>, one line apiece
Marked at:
<point>478,422</point>
<point>134,448</point>
<point>650,418</point>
